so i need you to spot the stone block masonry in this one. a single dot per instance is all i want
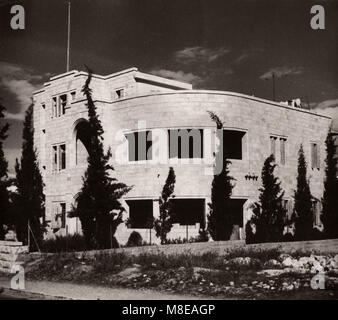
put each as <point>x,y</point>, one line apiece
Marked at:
<point>165,104</point>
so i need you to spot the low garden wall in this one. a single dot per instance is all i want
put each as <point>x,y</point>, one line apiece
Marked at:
<point>221,247</point>
<point>9,253</point>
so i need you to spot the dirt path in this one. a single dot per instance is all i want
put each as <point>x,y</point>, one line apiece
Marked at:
<point>90,292</point>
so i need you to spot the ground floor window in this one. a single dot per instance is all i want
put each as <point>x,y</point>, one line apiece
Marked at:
<point>58,215</point>
<point>316,209</point>
<point>189,211</point>
<point>140,214</point>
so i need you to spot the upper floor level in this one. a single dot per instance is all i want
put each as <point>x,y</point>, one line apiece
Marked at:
<point>58,94</point>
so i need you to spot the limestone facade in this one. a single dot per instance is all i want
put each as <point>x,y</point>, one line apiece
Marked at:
<point>130,101</point>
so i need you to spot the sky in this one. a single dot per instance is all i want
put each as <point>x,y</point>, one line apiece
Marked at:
<point>223,45</point>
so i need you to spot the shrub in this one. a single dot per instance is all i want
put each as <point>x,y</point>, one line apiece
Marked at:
<point>269,213</point>
<point>135,240</point>
<point>203,235</point>
<point>288,237</point>
<point>317,234</point>
<point>70,243</point>
<point>249,234</point>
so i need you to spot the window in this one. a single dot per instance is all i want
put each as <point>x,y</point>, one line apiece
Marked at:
<point>55,157</point>
<point>63,214</point>
<point>288,207</point>
<point>54,107</point>
<point>59,105</point>
<point>316,209</point>
<point>43,106</point>
<point>62,104</point>
<point>73,95</point>
<point>139,145</point>
<point>233,144</point>
<point>189,211</point>
<point>185,143</point>
<point>119,94</point>
<point>282,150</point>
<point>59,157</point>
<point>273,145</point>
<point>62,150</point>
<point>59,215</point>
<point>140,214</point>
<point>315,164</point>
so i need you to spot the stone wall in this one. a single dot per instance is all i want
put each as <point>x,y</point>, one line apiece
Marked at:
<point>9,252</point>
<point>222,247</point>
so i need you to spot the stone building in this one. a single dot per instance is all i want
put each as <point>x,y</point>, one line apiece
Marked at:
<point>136,109</point>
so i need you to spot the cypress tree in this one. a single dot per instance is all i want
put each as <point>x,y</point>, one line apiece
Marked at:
<point>330,196</point>
<point>4,195</point>
<point>220,222</point>
<point>98,203</point>
<point>29,200</point>
<point>303,215</point>
<point>269,214</point>
<point>164,223</point>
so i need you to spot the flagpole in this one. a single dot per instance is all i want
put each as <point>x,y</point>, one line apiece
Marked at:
<point>68,36</point>
<point>273,87</point>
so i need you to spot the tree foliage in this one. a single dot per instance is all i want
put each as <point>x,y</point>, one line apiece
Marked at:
<point>330,196</point>
<point>4,196</point>
<point>164,222</point>
<point>269,215</point>
<point>303,214</point>
<point>29,199</point>
<point>98,203</point>
<point>220,221</point>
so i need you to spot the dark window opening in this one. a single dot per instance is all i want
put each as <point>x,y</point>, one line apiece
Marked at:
<point>282,150</point>
<point>189,211</point>
<point>73,95</point>
<point>140,214</point>
<point>62,156</point>
<point>233,144</point>
<point>119,93</point>
<point>139,145</point>
<point>54,108</point>
<point>185,143</point>
<point>55,158</point>
<point>63,214</point>
<point>315,164</point>
<point>62,104</point>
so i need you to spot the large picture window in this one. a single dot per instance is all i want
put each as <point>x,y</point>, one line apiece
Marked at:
<point>139,145</point>
<point>140,213</point>
<point>185,143</point>
<point>233,144</point>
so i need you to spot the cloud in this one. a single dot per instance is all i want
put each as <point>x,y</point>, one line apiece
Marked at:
<point>327,104</point>
<point>19,81</point>
<point>242,57</point>
<point>177,75</point>
<point>199,54</point>
<point>281,71</point>
<point>328,108</point>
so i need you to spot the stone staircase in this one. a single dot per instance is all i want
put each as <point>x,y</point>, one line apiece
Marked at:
<point>10,251</point>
